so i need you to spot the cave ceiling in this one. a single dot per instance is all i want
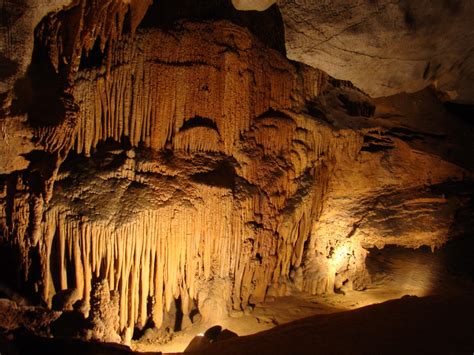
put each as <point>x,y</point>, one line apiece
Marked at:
<point>384,47</point>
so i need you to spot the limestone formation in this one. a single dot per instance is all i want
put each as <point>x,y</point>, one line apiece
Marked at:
<point>160,170</point>
<point>104,313</point>
<point>226,138</point>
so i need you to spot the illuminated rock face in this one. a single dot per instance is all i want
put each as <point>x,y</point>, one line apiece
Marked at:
<point>201,166</point>
<point>218,179</point>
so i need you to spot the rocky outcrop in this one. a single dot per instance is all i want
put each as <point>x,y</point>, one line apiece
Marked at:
<point>407,187</point>
<point>24,317</point>
<point>104,313</point>
<point>386,47</point>
<point>17,25</point>
<point>40,112</point>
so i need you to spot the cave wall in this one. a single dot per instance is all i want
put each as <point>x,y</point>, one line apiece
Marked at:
<point>195,163</point>
<point>220,181</point>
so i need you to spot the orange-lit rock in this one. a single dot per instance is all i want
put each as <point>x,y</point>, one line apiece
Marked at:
<point>194,167</point>
<point>223,178</point>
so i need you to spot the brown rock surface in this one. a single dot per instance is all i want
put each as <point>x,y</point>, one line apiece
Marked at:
<point>194,166</point>
<point>197,144</point>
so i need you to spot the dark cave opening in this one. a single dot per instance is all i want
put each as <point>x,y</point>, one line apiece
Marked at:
<point>95,57</point>
<point>223,175</point>
<point>198,121</point>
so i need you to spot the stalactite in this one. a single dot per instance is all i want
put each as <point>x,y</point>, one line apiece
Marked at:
<point>157,227</point>
<point>254,238</point>
<point>159,82</point>
<point>60,40</point>
<point>75,30</point>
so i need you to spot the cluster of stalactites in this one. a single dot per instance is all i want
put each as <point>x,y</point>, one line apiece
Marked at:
<point>62,37</point>
<point>72,32</point>
<point>252,240</point>
<point>195,90</point>
<point>159,256</point>
<point>214,91</point>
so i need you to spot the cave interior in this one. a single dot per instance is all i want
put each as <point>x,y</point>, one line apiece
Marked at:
<point>236,177</point>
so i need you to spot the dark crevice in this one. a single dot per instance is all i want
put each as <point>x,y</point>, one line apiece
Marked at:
<point>198,121</point>
<point>93,58</point>
<point>54,261</point>
<point>10,257</point>
<point>357,108</point>
<point>464,111</point>
<point>184,63</point>
<point>255,225</point>
<point>271,113</point>
<point>41,92</point>
<point>372,148</point>
<point>316,111</point>
<point>213,333</point>
<point>407,134</point>
<point>223,175</point>
<point>179,315</point>
<point>8,67</point>
<point>427,71</point>
<point>410,20</point>
<point>373,144</point>
<point>139,332</point>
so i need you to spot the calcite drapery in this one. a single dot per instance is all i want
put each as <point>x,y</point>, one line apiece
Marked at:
<point>233,194</point>
<point>201,159</point>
